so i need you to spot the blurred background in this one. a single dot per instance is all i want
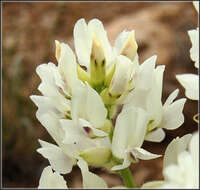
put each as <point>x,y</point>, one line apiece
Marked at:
<point>29,31</point>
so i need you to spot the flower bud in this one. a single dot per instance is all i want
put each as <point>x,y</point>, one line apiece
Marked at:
<point>97,63</point>
<point>130,47</point>
<point>58,49</point>
<point>96,156</point>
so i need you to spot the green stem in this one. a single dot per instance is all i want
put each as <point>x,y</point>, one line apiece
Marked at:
<point>127,178</point>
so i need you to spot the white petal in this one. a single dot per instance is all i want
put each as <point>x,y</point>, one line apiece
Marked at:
<point>56,105</point>
<point>156,136</point>
<point>153,102</point>
<point>47,89</point>
<point>67,66</point>
<point>95,109</point>
<point>152,185</point>
<point>194,149</point>
<point>158,80</point>
<point>144,76</point>
<point>96,27</point>
<point>51,124</point>
<point>173,177</point>
<point>137,98</point>
<point>120,40</point>
<point>45,72</point>
<point>75,135</point>
<point>175,109</point>
<point>121,76</point>
<point>171,97</point>
<point>129,130</point>
<point>90,180</point>
<point>96,132</point>
<point>194,51</point>
<point>191,84</point>
<point>175,147</point>
<point>51,180</point>
<point>48,74</point>
<point>196,5</point>
<point>42,101</point>
<point>181,174</point>
<point>82,42</point>
<point>59,161</point>
<point>143,154</point>
<point>79,93</point>
<point>125,44</point>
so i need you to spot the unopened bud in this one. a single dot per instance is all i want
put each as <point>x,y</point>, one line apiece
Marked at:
<point>96,156</point>
<point>97,63</point>
<point>130,47</point>
<point>58,49</point>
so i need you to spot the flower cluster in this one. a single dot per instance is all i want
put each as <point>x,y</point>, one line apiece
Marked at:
<point>182,154</point>
<point>191,81</point>
<point>100,105</point>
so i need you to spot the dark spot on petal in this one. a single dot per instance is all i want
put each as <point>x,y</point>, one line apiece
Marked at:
<point>132,157</point>
<point>87,129</point>
<point>83,67</point>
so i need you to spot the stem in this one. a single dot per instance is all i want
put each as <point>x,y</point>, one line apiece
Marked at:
<point>127,178</point>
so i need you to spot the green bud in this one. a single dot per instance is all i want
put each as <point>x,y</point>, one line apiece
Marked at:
<point>96,157</point>
<point>97,63</point>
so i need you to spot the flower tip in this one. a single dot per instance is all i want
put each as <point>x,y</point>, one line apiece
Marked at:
<point>81,20</point>
<point>58,49</point>
<point>154,57</point>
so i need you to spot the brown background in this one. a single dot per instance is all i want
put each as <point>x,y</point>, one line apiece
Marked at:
<point>29,31</point>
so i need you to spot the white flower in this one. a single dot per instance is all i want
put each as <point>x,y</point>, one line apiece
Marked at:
<point>148,97</point>
<point>51,180</point>
<point>57,83</point>
<point>128,137</point>
<point>191,81</point>
<point>104,62</point>
<point>181,166</point>
<point>183,172</point>
<point>90,180</point>
<point>87,35</point>
<point>196,5</point>
<point>126,45</point>
<point>73,139</point>
<point>63,114</point>
<point>194,51</point>
<point>191,84</point>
